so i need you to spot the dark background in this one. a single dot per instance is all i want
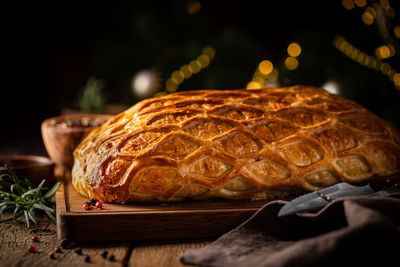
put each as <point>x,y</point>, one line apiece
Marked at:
<point>50,50</point>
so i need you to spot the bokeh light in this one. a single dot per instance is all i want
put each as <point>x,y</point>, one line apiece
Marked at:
<point>170,86</point>
<point>360,3</point>
<point>367,18</point>
<point>145,83</point>
<point>265,67</point>
<point>186,71</point>
<point>390,12</point>
<point>396,79</point>
<point>258,79</point>
<point>382,52</point>
<point>384,3</point>
<point>294,49</point>
<point>253,85</point>
<point>385,68</point>
<point>195,65</point>
<point>371,11</point>
<point>397,32</point>
<point>177,77</point>
<point>348,4</point>
<point>291,63</point>
<point>204,60</point>
<point>193,7</point>
<point>208,51</point>
<point>332,87</point>
<point>273,75</point>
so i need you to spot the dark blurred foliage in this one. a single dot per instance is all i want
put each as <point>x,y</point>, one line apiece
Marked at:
<point>51,49</point>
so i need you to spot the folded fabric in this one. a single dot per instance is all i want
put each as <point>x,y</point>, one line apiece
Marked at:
<point>360,231</point>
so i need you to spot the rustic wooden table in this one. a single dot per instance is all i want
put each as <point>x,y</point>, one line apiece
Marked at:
<point>16,238</point>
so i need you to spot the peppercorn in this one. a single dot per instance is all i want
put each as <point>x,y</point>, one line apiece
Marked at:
<point>86,206</point>
<point>104,254</point>
<point>78,251</point>
<point>111,257</point>
<point>87,258</point>
<point>35,238</point>
<point>52,256</point>
<point>99,205</point>
<point>92,202</point>
<point>57,249</point>
<point>32,249</point>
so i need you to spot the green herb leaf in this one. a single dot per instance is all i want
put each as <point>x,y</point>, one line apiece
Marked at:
<point>31,217</point>
<point>52,191</point>
<point>50,215</point>
<point>42,207</point>
<point>29,192</point>
<point>12,174</point>
<point>16,211</point>
<point>40,186</point>
<point>27,218</point>
<point>20,198</point>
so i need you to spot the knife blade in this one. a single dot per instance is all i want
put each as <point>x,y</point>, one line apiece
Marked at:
<point>320,198</point>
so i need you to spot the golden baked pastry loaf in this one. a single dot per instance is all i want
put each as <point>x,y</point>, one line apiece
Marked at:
<point>236,144</point>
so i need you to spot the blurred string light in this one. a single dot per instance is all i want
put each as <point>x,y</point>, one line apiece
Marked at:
<point>193,6</point>
<point>369,61</point>
<point>385,51</point>
<point>390,12</point>
<point>368,16</point>
<point>379,12</point>
<point>187,70</point>
<point>266,75</point>
<point>294,50</point>
<point>370,13</point>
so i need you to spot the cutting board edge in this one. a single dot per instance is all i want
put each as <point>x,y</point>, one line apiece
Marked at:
<point>202,224</point>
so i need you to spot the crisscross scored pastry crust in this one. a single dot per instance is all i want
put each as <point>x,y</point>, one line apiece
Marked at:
<point>237,144</point>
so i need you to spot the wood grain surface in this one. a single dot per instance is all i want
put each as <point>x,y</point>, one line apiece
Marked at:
<point>158,221</point>
<point>15,240</point>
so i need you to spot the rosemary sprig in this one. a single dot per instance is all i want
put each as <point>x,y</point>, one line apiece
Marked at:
<point>21,198</point>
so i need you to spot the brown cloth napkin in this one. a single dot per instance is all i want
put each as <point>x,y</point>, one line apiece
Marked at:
<point>359,231</point>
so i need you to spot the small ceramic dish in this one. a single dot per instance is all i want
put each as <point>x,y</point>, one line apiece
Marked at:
<point>62,134</point>
<point>34,168</point>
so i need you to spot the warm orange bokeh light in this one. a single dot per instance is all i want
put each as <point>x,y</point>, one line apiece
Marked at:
<point>265,67</point>
<point>348,4</point>
<point>253,85</point>
<point>291,63</point>
<point>294,49</point>
<point>396,79</point>
<point>397,32</point>
<point>367,18</point>
<point>360,3</point>
<point>383,52</point>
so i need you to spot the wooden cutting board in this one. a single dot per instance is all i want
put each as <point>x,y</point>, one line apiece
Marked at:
<point>145,221</point>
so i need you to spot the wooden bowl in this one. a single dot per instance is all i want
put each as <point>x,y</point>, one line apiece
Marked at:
<point>61,135</point>
<point>34,168</point>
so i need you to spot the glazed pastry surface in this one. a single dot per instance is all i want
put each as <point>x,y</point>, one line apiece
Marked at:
<point>236,144</point>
